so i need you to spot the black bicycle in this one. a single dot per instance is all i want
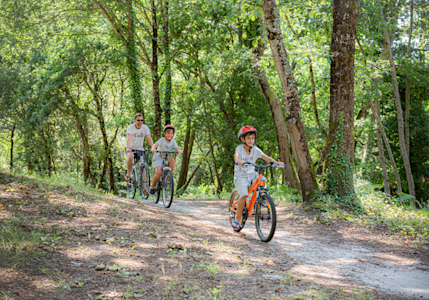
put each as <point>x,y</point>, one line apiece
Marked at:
<point>140,176</point>
<point>165,184</point>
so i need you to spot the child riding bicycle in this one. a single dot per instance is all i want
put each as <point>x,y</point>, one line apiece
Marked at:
<point>245,176</point>
<point>166,143</point>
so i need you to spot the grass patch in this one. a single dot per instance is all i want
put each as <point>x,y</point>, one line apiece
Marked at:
<point>378,209</point>
<point>18,243</point>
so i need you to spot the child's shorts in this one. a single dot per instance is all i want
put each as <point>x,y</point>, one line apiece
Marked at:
<point>244,182</point>
<point>157,161</point>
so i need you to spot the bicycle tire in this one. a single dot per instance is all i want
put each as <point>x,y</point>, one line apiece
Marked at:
<point>144,192</point>
<point>168,189</point>
<point>132,184</point>
<point>266,213</point>
<point>157,194</point>
<point>234,197</point>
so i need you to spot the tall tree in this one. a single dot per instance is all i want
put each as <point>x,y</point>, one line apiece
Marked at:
<point>276,111</point>
<point>404,153</point>
<point>294,123</point>
<point>340,142</point>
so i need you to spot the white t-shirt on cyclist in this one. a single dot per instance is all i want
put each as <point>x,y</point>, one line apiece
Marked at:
<point>254,154</point>
<point>164,145</point>
<point>137,136</point>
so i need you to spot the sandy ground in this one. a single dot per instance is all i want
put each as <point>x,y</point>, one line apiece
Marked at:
<point>95,246</point>
<point>331,254</point>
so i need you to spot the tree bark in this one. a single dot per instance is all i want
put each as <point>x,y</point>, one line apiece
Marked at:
<point>11,147</point>
<point>376,109</point>
<point>132,62</point>
<point>167,94</point>
<point>294,123</point>
<point>219,182</point>
<point>187,151</point>
<point>407,86</point>
<point>277,115</point>
<point>340,143</point>
<point>402,146</point>
<point>381,151</point>
<point>313,86</point>
<point>155,75</point>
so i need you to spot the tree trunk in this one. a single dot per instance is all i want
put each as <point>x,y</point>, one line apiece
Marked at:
<point>403,148</point>
<point>167,94</point>
<point>132,61</point>
<point>295,127</point>
<point>407,87</point>
<point>155,75</point>
<point>11,147</point>
<point>112,175</point>
<point>187,151</point>
<point>368,147</point>
<point>381,154</point>
<point>194,172</point>
<point>219,182</point>
<point>376,109</point>
<point>277,115</point>
<point>340,143</point>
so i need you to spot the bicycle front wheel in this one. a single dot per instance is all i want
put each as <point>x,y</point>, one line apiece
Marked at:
<point>132,184</point>
<point>144,182</point>
<point>157,191</point>
<point>265,218</point>
<point>168,189</point>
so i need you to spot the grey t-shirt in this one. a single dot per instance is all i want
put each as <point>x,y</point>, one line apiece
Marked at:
<point>164,145</point>
<point>255,153</point>
<point>137,136</point>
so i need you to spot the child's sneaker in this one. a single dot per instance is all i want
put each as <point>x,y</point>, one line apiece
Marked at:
<point>152,192</point>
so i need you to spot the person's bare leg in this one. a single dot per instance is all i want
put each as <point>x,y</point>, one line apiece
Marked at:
<point>158,173</point>
<point>171,163</point>
<point>130,158</point>
<point>240,208</point>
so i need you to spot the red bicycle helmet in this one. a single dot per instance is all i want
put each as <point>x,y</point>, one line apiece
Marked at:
<point>168,126</point>
<point>246,130</point>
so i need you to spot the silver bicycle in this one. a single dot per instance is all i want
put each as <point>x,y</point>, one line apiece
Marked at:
<point>140,176</point>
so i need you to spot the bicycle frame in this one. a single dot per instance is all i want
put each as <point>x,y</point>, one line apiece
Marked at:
<point>253,189</point>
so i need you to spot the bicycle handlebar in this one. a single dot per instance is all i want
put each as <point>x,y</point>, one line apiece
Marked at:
<point>168,152</point>
<point>263,166</point>
<point>144,150</point>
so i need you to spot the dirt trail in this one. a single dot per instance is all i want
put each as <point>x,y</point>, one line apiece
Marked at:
<point>330,255</point>
<point>95,246</point>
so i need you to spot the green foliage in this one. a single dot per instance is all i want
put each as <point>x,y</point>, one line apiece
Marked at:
<point>379,210</point>
<point>339,174</point>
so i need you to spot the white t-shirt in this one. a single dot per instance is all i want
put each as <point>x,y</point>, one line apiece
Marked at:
<point>255,153</point>
<point>164,145</point>
<point>137,136</point>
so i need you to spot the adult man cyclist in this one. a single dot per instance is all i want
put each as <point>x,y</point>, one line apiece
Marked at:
<point>135,138</point>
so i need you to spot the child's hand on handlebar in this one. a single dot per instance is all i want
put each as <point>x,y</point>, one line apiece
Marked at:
<point>153,151</point>
<point>129,150</point>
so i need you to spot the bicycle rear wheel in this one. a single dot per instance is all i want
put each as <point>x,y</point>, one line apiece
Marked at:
<point>144,182</point>
<point>265,218</point>
<point>232,199</point>
<point>132,184</point>
<point>168,189</point>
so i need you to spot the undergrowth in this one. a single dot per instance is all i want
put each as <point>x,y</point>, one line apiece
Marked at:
<point>370,208</point>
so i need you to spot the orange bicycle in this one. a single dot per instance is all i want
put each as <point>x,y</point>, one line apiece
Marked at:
<point>261,202</point>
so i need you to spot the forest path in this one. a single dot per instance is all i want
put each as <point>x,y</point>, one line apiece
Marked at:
<point>96,246</point>
<point>334,254</point>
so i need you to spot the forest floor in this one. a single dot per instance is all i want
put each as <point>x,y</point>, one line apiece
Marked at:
<point>60,243</point>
